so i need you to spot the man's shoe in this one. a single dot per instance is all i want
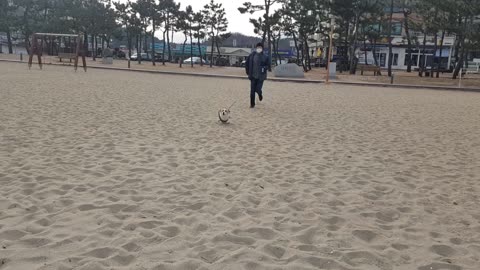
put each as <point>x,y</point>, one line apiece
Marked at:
<point>260,97</point>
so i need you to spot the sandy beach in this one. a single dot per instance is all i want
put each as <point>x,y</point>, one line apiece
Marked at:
<point>122,170</point>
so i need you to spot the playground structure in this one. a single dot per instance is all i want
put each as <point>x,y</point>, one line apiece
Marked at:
<point>67,46</point>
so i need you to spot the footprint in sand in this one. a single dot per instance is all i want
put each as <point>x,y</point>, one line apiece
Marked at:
<point>101,253</point>
<point>443,250</point>
<point>12,235</point>
<point>365,235</point>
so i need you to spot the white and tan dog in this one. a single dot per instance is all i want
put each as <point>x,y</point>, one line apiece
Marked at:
<point>224,115</point>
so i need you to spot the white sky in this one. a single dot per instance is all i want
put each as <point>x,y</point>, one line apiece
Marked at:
<point>237,22</point>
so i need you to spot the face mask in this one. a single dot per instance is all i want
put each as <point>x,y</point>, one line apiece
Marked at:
<point>259,50</point>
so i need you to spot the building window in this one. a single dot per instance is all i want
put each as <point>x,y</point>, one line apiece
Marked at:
<point>414,60</point>
<point>397,29</point>
<point>382,58</point>
<point>395,59</point>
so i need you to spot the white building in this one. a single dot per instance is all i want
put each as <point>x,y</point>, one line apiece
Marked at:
<point>400,53</point>
<point>234,55</point>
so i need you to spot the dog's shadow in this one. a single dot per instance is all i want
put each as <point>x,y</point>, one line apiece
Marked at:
<point>225,124</point>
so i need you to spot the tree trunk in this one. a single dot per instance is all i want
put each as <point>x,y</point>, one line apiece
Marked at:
<point>168,38</point>
<point>219,54</point>
<point>153,42</point>
<point>269,33</point>
<point>191,45</point>
<point>374,52</point>
<point>164,47</point>
<point>353,46</point>
<point>296,47</point>
<point>366,51</point>
<point>422,65</point>
<point>211,53</point>
<point>457,49</point>
<point>183,50</point>
<point>439,66</point>
<point>409,41</point>
<point>94,50</point>
<point>28,44</point>
<point>103,44</point>
<point>129,41</point>
<point>85,43</point>
<point>278,46</point>
<point>265,31</point>
<point>26,15</point>
<point>200,50</point>
<point>173,32</point>
<point>434,53</point>
<point>145,44</point>
<point>307,50</point>
<point>139,48</point>
<point>302,50</point>
<point>274,47</point>
<point>9,41</point>
<point>390,50</point>
<point>459,65</point>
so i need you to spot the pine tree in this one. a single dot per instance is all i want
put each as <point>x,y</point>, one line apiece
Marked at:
<point>216,22</point>
<point>267,7</point>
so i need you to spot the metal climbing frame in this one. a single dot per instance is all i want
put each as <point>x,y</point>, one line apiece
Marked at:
<point>37,48</point>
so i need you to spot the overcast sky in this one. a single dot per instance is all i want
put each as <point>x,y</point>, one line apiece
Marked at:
<point>237,22</point>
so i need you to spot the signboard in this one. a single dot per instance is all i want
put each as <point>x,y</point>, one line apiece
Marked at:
<point>179,48</point>
<point>281,53</point>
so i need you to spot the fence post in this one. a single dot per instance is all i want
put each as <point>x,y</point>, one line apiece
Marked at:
<point>392,78</point>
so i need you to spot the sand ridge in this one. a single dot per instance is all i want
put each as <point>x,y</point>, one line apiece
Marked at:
<point>118,170</point>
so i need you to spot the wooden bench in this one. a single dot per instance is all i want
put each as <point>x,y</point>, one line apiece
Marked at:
<point>374,68</point>
<point>68,56</point>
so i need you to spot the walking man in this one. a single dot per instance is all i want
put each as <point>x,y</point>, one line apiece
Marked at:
<point>256,67</point>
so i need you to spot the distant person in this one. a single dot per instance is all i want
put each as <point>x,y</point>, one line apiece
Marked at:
<point>256,67</point>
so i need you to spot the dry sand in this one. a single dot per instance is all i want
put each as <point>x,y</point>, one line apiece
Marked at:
<point>122,170</point>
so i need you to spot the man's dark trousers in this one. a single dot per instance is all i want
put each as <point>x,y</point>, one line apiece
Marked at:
<point>255,87</point>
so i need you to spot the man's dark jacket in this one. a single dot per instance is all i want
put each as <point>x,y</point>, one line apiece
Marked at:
<point>263,66</point>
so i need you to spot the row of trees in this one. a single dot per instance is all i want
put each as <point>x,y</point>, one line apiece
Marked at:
<point>358,23</point>
<point>146,17</point>
<point>25,17</point>
<point>100,21</point>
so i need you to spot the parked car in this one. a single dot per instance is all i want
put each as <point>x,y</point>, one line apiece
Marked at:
<point>144,57</point>
<point>119,53</point>
<point>195,60</point>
